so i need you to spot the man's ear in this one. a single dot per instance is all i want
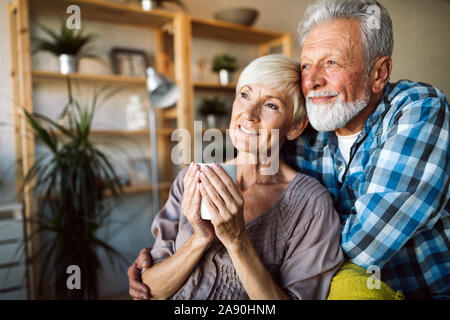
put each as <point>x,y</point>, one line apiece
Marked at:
<point>297,129</point>
<point>379,75</point>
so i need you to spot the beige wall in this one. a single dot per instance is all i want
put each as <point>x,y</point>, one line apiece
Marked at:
<point>422,41</point>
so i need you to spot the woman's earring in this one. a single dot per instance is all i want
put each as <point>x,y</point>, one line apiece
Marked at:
<point>289,137</point>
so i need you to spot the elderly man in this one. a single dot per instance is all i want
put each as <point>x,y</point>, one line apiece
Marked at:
<point>380,148</point>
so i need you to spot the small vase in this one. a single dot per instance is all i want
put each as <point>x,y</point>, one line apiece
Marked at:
<point>148,5</point>
<point>211,121</point>
<point>225,77</point>
<point>68,63</point>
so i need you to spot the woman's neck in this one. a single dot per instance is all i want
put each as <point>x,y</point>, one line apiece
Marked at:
<point>250,171</point>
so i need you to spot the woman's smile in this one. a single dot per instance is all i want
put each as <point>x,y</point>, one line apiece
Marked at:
<point>248,132</point>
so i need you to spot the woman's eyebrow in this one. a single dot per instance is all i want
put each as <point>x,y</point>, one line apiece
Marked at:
<point>266,96</point>
<point>275,97</point>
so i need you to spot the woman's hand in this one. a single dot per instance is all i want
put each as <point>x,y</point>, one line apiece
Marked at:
<point>203,230</point>
<point>226,204</point>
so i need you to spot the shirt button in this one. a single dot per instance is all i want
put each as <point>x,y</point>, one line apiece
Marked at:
<point>341,167</point>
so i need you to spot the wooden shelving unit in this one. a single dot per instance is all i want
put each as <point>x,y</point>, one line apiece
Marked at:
<point>170,113</point>
<point>172,52</point>
<point>232,32</point>
<point>223,130</point>
<point>39,75</point>
<point>101,10</point>
<point>204,85</point>
<point>129,133</point>
<point>264,39</point>
<point>144,188</point>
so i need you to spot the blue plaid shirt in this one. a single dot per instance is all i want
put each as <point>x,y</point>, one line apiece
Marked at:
<point>393,196</point>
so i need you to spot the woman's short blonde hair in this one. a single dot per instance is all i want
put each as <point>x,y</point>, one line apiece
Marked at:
<point>280,72</point>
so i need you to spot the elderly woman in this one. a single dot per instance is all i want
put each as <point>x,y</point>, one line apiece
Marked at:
<point>271,236</point>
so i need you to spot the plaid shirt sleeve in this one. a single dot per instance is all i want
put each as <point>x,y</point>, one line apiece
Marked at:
<point>406,180</point>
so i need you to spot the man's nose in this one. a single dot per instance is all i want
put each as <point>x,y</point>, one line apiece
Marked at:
<point>313,79</point>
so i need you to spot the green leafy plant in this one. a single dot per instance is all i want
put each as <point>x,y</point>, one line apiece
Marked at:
<point>67,41</point>
<point>224,61</point>
<point>71,180</point>
<point>213,106</point>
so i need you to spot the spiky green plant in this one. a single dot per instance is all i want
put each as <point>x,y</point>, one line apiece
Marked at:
<point>67,41</point>
<point>224,61</point>
<point>70,181</point>
<point>212,105</point>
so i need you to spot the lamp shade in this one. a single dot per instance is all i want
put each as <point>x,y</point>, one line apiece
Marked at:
<point>162,92</point>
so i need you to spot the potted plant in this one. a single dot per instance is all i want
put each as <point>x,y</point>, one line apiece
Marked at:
<point>148,5</point>
<point>68,45</point>
<point>211,108</point>
<point>71,180</point>
<point>224,64</point>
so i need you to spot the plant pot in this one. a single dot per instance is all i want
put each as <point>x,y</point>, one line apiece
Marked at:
<point>148,5</point>
<point>211,121</point>
<point>68,63</point>
<point>225,77</point>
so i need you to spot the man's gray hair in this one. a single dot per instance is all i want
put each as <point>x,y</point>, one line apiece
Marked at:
<point>377,37</point>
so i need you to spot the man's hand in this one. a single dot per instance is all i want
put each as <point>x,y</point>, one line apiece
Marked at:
<point>138,290</point>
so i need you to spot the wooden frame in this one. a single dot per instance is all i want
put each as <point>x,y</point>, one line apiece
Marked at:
<point>22,92</point>
<point>111,12</point>
<point>39,75</point>
<point>171,31</point>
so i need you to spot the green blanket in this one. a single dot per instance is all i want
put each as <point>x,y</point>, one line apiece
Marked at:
<point>352,282</point>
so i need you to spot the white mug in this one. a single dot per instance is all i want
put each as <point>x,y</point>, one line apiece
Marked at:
<point>231,169</point>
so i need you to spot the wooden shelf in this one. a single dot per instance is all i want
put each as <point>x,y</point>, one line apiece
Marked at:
<point>216,29</point>
<point>144,188</point>
<point>170,113</point>
<point>129,133</point>
<point>160,131</point>
<point>223,130</point>
<point>105,11</point>
<point>52,75</point>
<point>204,85</point>
<point>128,190</point>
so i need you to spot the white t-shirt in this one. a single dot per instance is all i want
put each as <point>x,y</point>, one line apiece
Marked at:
<point>345,144</point>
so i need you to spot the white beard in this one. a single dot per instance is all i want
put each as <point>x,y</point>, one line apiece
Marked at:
<point>329,117</point>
